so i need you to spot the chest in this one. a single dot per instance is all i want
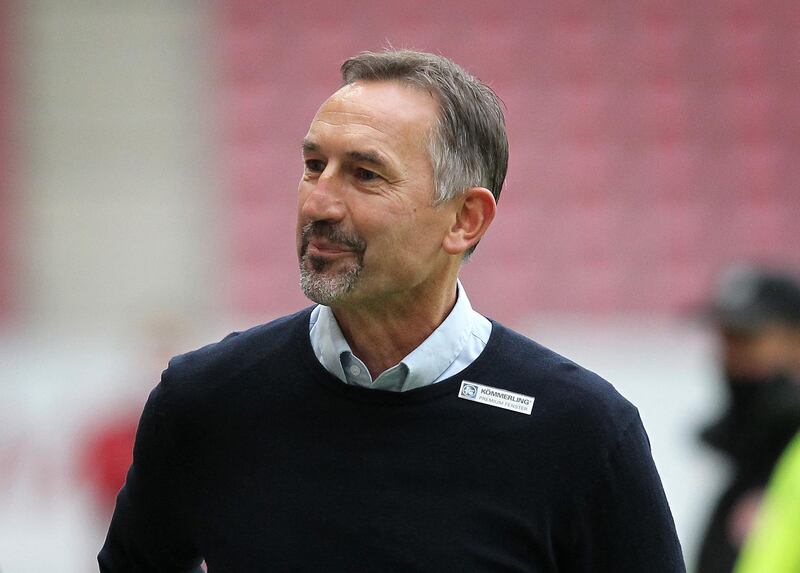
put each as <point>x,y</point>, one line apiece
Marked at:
<point>311,490</point>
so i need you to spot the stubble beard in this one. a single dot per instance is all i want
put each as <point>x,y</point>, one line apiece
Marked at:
<point>326,287</point>
<point>319,279</point>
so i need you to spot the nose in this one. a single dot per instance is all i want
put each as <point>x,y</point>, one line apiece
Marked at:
<point>322,199</point>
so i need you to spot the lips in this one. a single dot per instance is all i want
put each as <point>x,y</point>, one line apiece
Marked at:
<point>320,247</point>
<point>323,240</point>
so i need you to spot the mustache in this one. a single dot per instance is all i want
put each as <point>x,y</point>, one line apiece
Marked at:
<point>332,233</point>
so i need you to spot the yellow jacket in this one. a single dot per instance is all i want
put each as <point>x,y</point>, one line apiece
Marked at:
<point>774,545</point>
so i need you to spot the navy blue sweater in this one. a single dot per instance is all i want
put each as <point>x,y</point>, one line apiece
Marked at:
<point>250,455</point>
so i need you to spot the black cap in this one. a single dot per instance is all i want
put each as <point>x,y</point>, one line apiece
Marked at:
<point>749,298</point>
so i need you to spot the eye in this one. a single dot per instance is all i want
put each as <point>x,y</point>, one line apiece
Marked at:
<point>366,175</point>
<point>314,165</point>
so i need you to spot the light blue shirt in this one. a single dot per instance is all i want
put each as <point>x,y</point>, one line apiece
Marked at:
<point>453,346</point>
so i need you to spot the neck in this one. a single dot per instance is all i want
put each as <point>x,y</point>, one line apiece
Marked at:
<point>382,335</point>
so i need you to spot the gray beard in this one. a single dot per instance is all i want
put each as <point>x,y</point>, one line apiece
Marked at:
<point>324,288</point>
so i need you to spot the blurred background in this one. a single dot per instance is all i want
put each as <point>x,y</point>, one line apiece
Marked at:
<point>149,159</point>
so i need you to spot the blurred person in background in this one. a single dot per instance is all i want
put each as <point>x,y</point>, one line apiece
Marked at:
<point>774,544</point>
<point>391,427</point>
<point>757,315</point>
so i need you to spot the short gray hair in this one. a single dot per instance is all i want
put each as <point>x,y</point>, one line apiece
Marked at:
<point>468,146</point>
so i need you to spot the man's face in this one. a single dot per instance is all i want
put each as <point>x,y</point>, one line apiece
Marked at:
<point>760,353</point>
<point>366,225</point>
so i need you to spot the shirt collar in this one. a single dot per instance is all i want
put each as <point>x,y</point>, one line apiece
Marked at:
<point>422,366</point>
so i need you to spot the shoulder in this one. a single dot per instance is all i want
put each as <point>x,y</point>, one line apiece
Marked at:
<point>570,399</point>
<point>236,355</point>
<point>582,424</point>
<point>205,392</point>
<point>531,365</point>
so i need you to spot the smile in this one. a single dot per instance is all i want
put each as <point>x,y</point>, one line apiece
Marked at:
<point>317,248</point>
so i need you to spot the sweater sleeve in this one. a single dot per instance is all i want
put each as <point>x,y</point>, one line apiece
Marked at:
<point>149,529</point>
<point>623,524</point>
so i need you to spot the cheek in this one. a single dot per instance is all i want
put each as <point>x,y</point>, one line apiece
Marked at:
<point>407,243</point>
<point>398,232</point>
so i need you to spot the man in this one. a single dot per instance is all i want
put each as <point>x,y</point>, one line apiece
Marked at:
<point>757,315</point>
<point>391,427</point>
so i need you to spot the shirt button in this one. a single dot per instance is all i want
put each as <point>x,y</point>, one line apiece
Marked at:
<point>355,370</point>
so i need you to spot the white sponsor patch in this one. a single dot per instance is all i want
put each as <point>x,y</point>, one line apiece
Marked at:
<point>496,397</point>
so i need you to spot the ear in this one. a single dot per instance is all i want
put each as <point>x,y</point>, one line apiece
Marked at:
<point>475,209</point>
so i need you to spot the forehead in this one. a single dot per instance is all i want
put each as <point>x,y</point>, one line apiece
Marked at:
<point>385,112</point>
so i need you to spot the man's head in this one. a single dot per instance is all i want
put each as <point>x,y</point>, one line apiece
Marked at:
<point>468,145</point>
<point>395,191</point>
<point>758,314</point>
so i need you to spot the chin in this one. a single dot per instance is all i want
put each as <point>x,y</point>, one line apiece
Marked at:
<point>328,287</point>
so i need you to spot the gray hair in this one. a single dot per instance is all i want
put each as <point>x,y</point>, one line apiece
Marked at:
<point>468,146</point>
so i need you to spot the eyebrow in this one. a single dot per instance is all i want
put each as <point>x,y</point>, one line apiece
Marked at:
<point>309,146</point>
<point>366,156</point>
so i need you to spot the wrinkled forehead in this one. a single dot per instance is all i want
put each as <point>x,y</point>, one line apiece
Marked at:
<point>387,105</point>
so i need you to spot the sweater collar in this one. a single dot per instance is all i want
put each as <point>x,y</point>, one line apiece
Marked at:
<point>422,366</point>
